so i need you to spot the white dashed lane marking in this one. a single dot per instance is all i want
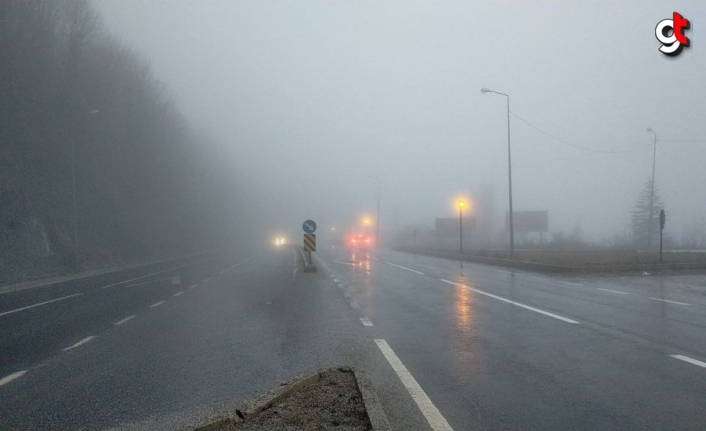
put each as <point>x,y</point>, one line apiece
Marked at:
<point>156,304</point>
<point>84,341</point>
<point>612,291</point>
<point>689,360</point>
<point>405,268</point>
<point>16,375</point>
<point>125,320</point>
<point>178,293</point>
<point>671,302</point>
<point>366,321</point>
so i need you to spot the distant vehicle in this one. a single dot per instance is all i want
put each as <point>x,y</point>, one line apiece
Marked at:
<point>359,242</point>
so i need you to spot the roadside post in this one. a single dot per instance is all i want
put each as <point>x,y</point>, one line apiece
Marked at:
<point>309,228</point>
<point>661,228</point>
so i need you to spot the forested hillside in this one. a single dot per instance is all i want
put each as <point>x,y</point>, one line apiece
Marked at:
<point>94,157</point>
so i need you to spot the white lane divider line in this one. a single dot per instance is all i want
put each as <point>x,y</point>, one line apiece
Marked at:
<point>405,268</point>
<point>500,298</point>
<point>340,286</point>
<point>178,293</point>
<point>366,321</point>
<point>551,279</point>
<point>374,258</point>
<point>689,360</point>
<point>193,285</point>
<point>671,302</point>
<point>207,279</point>
<point>155,273</point>
<point>149,282</point>
<point>612,291</point>
<point>125,320</point>
<point>429,410</point>
<point>84,341</point>
<point>343,263</point>
<point>233,266</point>
<point>41,303</point>
<point>156,304</point>
<point>335,280</point>
<point>354,305</point>
<point>16,375</point>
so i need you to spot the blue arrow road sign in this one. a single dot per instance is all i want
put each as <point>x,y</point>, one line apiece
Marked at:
<point>309,226</point>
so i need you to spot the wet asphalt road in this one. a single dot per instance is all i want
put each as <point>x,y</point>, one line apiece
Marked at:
<point>487,348</point>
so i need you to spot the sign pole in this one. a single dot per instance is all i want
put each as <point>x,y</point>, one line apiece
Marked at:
<point>661,228</point>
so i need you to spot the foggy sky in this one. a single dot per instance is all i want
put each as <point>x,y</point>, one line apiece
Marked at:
<point>309,99</point>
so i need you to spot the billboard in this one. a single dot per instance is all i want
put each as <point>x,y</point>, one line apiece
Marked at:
<point>448,227</point>
<point>528,221</point>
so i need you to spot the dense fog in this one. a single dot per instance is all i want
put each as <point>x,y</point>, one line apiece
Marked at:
<point>201,123</point>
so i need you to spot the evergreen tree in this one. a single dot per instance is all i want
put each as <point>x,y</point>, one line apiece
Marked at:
<point>641,218</point>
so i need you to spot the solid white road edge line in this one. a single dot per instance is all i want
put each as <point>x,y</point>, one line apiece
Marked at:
<point>156,304</point>
<point>405,268</point>
<point>689,360</point>
<point>125,320</point>
<point>41,303</point>
<point>428,409</point>
<point>613,291</point>
<point>366,321</point>
<point>16,375</point>
<point>671,302</point>
<point>526,307</point>
<point>84,341</point>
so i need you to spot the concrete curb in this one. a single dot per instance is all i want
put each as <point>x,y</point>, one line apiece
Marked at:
<point>371,402</point>
<point>306,266</point>
<point>376,415</point>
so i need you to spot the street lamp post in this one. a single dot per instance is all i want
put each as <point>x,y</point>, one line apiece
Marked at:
<point>377,220</point>
<point>509,167</point>
<point>460,225</point>
<point>652,192</point>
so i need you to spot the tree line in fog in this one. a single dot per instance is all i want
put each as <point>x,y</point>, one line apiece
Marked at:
<point>94,157</point>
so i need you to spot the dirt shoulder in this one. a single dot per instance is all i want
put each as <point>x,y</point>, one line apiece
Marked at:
<point>328,400</point>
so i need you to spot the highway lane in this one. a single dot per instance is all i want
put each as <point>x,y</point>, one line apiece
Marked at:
<point>495,350</point>
<point>249,321</point>
<point>448,346</point>
<point>36,323</point>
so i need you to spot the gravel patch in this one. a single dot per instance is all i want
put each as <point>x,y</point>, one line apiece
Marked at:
<point>331,403</point>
